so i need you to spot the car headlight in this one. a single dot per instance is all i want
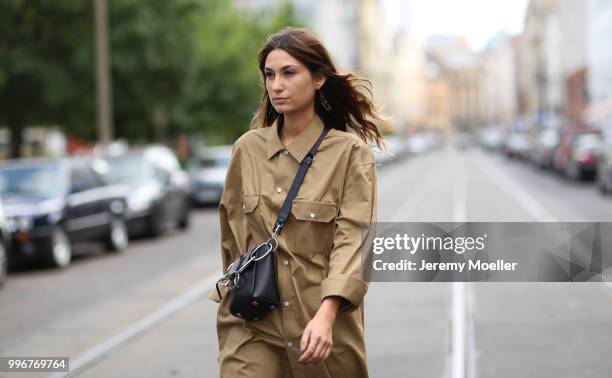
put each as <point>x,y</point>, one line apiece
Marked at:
<point>142,198</point>
<point>137,203</point>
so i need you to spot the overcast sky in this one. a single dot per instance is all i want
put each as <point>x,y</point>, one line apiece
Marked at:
<point>478,20</point>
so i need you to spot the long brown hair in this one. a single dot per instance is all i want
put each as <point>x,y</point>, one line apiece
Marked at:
<point>349,107</point>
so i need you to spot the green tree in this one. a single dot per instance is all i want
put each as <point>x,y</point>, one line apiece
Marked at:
<point>176,66</point>
<point>46,74</point>
<point>152,52</point>
<point>225,86</point>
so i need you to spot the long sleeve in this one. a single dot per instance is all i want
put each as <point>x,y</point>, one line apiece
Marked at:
<point>230,215</point>
<point>353,235</point>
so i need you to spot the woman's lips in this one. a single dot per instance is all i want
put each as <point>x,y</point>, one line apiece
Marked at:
<point>280,100</point>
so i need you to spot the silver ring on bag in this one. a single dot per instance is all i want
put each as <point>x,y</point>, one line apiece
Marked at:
<point>265,254</point>
<point>275,243</point>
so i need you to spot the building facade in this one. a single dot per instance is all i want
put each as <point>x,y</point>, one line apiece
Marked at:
<point>599,52</point>
<point>462,71</point>
<point>499,82</point>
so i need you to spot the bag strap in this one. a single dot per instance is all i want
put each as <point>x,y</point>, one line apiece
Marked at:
<point>233,271</point>
<point>299,177</point>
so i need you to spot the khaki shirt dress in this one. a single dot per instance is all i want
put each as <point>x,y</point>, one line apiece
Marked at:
<point>319,253</point>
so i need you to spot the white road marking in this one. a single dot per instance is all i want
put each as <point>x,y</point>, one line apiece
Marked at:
<point>460,354</point>
<point>95,353</point>
<point>472,368</point>
<point>458,346</point>
<point>459,357</point>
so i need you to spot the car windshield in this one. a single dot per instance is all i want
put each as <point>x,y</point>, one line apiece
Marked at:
<point>38,181</point>
<point>129,169</point>
<point>209,161</point>
<point>214,161</point>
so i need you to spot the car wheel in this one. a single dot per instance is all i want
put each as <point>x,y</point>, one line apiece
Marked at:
<point>183,222</point>
<point>117,238</point>
<point>58,251</point>
<point>3,263</point>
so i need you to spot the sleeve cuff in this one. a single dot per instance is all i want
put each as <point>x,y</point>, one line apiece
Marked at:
<point>350,289</point>
<point>214,296</point>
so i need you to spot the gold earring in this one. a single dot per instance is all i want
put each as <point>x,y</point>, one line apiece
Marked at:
<point>324,102</point>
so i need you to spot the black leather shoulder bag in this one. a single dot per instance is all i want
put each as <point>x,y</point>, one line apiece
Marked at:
<point>251,279</point>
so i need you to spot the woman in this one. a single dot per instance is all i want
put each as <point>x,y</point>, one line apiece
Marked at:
<point>318,331</point>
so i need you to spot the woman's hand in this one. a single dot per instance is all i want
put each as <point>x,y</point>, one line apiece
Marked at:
<point>316,343</point>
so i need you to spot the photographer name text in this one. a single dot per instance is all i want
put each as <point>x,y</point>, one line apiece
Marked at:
<point>406,265</point>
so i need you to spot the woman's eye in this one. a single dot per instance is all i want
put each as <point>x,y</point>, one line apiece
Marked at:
<point>269,74</point>
<point>289,73</point>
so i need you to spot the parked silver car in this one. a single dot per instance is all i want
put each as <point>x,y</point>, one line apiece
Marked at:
<point>207,171</point>
<point>544,145</point>
<point>158,190</point>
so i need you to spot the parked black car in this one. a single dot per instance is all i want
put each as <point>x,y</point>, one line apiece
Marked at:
<point>51,204</point>
<point>158,189</point>
<point>5,245</point>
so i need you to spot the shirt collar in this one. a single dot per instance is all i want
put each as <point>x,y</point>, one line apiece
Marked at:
<point>300,146</point>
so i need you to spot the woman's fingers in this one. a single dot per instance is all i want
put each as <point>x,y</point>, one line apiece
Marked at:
<point>306,357</point>
<point>318,354</point>
<point>327,352</point>
<point>321,351</point>
<point>305,339</point>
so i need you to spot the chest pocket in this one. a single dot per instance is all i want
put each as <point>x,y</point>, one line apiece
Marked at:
<point>250,202</point>
<point>255,227</point>
<point>312,227</point>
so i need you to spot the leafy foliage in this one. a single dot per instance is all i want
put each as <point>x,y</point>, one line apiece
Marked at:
<point>177,66</point>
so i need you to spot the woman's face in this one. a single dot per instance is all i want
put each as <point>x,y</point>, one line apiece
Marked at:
<point>289,83</point>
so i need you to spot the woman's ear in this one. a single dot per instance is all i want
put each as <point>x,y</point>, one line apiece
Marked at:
<point>320,81</point>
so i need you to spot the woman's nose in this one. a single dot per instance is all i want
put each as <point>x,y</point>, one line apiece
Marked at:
<point>277,84</point>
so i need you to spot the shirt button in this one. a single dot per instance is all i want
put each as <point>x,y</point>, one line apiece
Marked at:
<point>289,344</point>
<point>286,262</point>
<point>312,215</point>
<point>243,207</point>
<point>285,152</point>
<point>286,304</point>
<point>278,190</point>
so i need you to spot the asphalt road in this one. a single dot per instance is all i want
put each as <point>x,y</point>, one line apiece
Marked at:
<point>144,313</point>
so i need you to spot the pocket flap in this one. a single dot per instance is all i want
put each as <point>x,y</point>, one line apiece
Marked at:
<point>249,202</point>
<point>314,211</point>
